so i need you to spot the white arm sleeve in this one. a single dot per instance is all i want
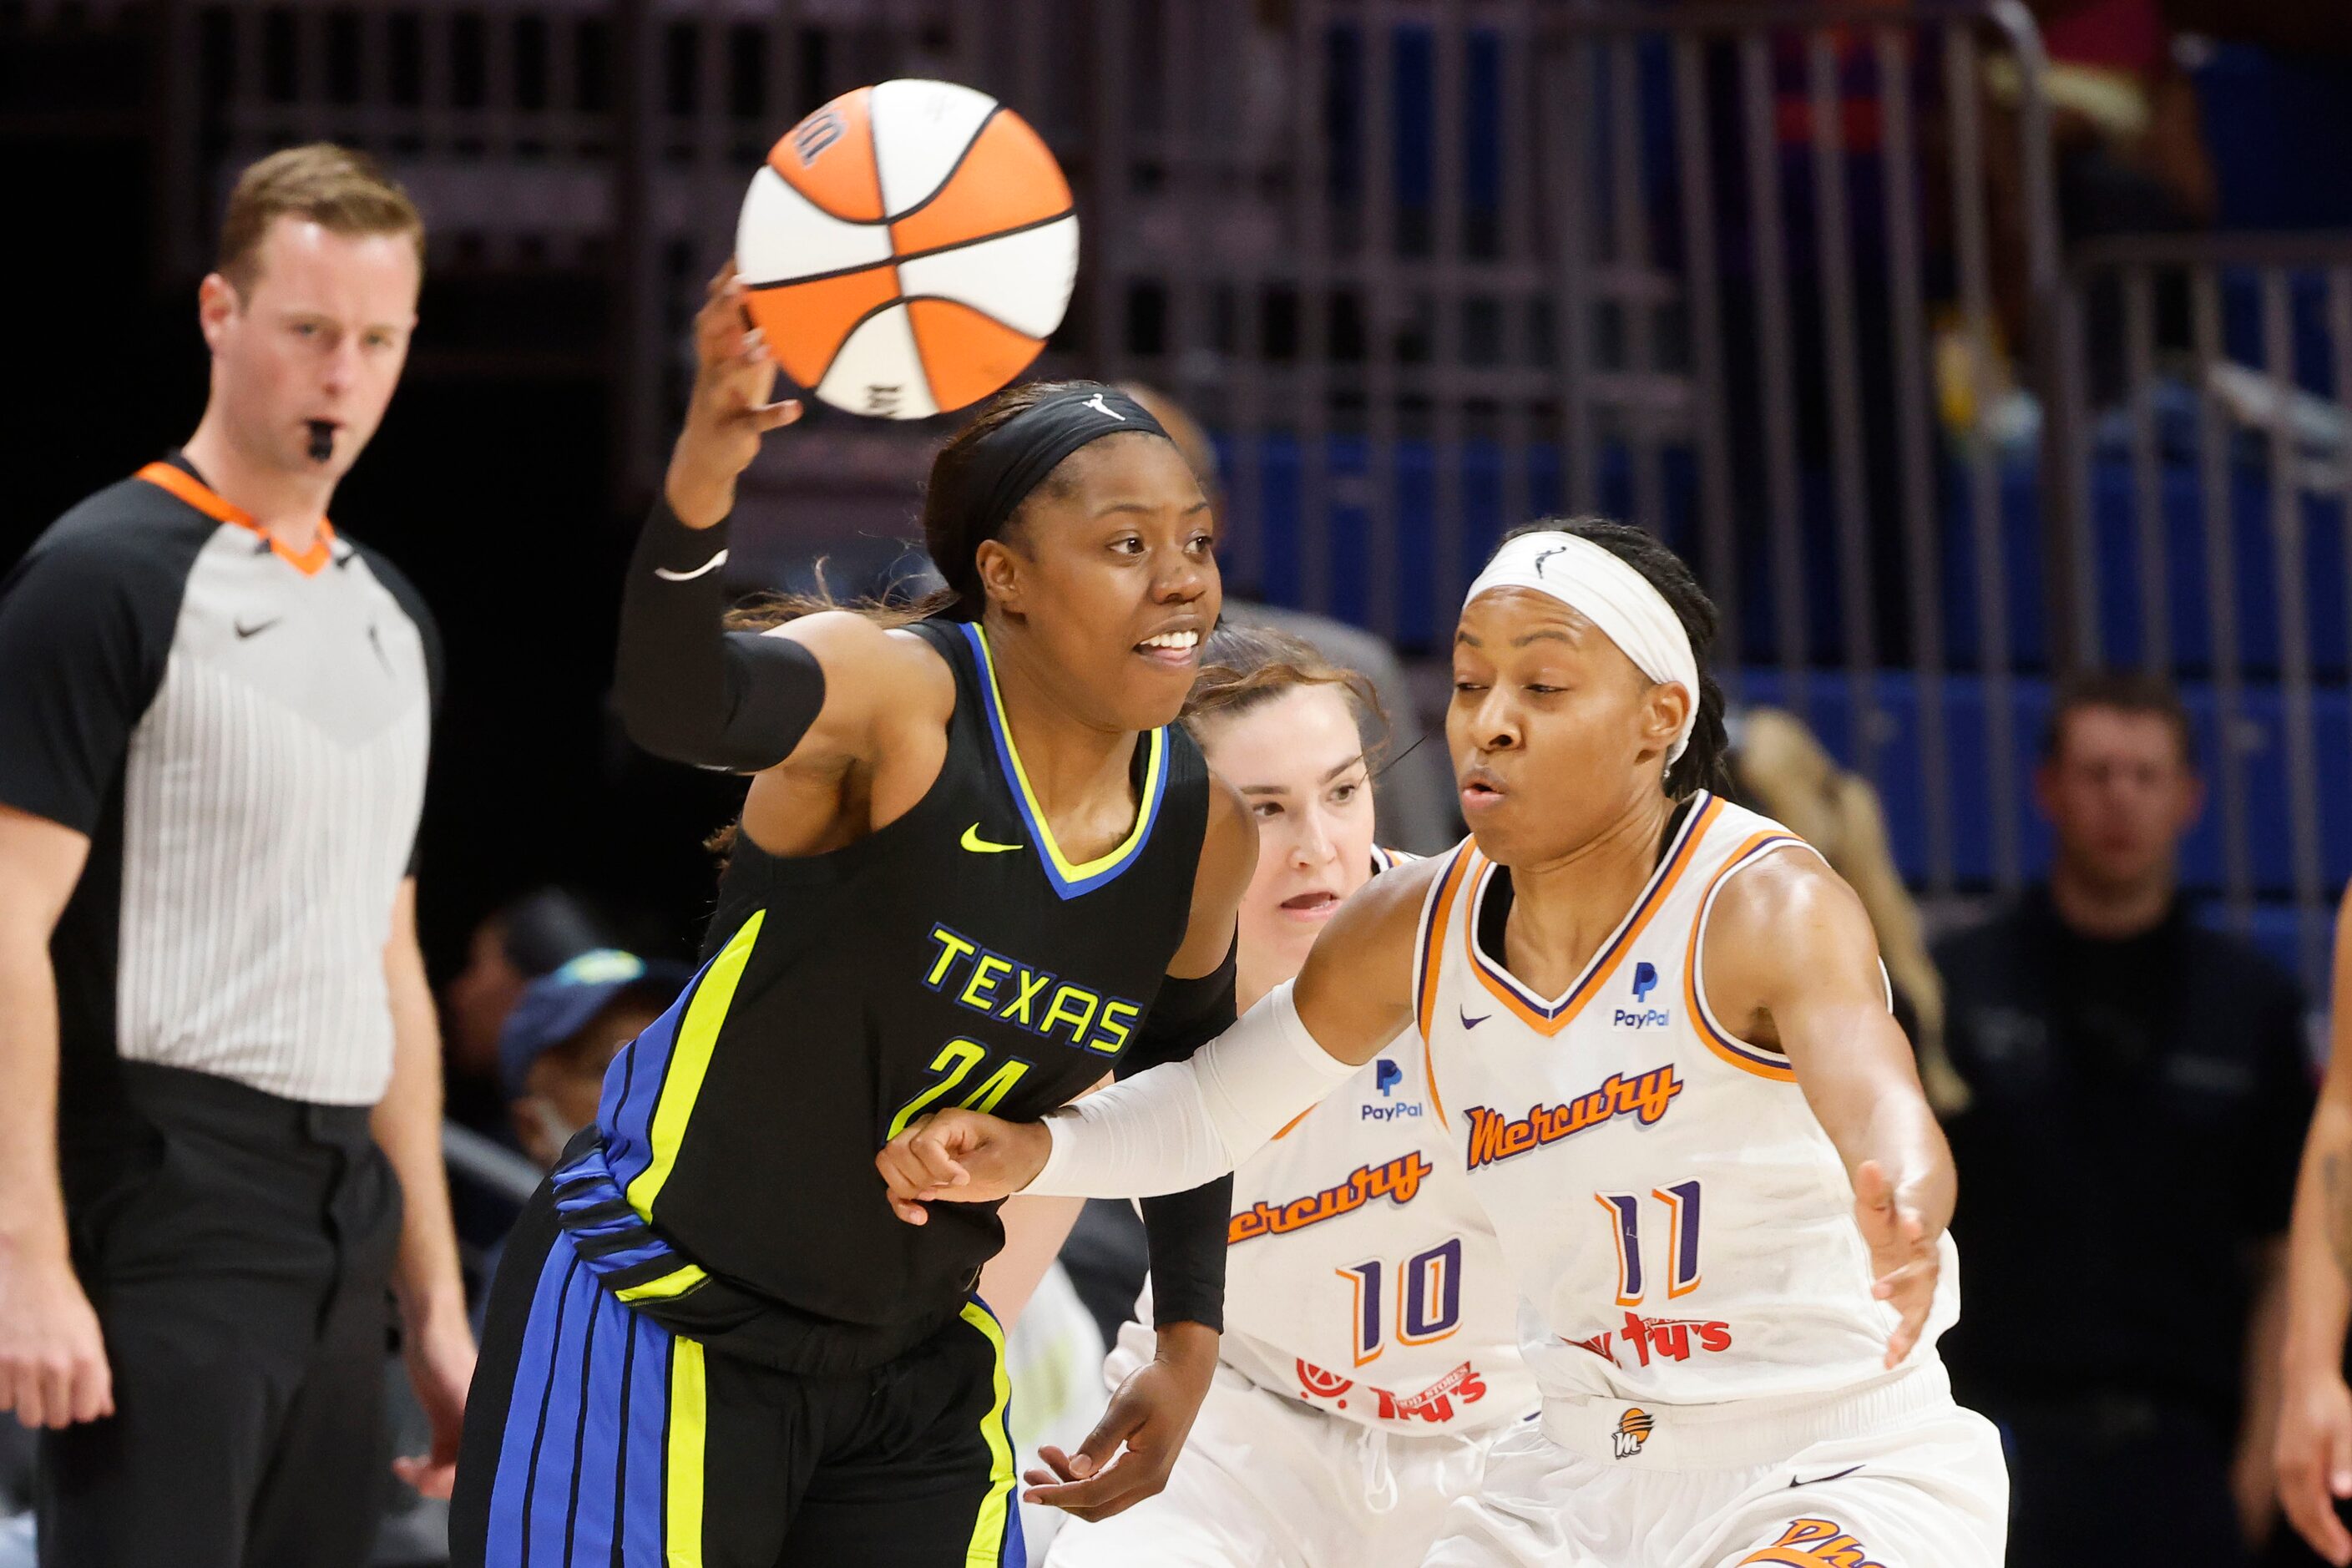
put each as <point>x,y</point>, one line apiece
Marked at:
<point>1184,1123</point>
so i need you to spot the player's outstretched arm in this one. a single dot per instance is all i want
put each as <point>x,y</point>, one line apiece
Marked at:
<point>691,690</point>
<point>2315,1431</point>
<point>1188,1122</point>
<point>1186,1230</point>
<point>1791,964</point>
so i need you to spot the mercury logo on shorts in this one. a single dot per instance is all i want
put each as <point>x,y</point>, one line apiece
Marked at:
<point>1814,1544</point>
<point>1632,1431</point>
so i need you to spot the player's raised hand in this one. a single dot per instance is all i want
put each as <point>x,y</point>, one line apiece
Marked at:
<point>961,1156</point>
<point>732,407</point>
<point>1903,1255</point>
<point>2315,1462</point>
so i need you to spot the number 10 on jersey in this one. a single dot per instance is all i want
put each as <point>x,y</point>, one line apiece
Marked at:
<point>1429,1298</point>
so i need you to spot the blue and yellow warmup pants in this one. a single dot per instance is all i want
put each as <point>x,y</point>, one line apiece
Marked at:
<point>596,1436</point>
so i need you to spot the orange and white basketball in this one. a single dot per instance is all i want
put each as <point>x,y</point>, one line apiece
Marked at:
<point>907,248</point>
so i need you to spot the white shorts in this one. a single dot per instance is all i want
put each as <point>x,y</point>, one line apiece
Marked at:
<point>1922,1488</point>
<point>1269,1483</point>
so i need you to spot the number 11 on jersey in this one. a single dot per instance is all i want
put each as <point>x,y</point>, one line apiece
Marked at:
<point>1624,1211</point>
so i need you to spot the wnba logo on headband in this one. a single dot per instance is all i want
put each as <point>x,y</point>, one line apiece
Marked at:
<point>1618,600</point>
<point>1014,458</point>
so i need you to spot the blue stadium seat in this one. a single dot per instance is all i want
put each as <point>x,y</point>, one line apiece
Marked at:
<point>2114,514</point>
<point>2265,115</point>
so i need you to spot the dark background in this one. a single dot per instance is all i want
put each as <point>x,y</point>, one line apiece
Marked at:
<point>488,484</point>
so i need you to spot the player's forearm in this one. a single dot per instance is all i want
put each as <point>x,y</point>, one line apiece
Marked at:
<point>2265,1335</point>
<point>1189,1345</point>
<point>1185,1232</point>
<point>1187,1123</point>
<point>689,689</point>
<point>32,1204</point>
<point>2319,1247</point>
<point>1902,1135</point>
<point>407,1127</point>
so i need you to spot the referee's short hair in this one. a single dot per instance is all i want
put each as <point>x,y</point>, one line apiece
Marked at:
<point>342,191</point>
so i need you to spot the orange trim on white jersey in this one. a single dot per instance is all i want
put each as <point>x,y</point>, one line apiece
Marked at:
<point>1750,1059</point>
<point>1549,1018</point>
<point>1430,961</point>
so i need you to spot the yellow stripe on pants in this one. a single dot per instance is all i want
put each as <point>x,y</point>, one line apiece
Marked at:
<point>689,1413</point>
<point>988,1532</point>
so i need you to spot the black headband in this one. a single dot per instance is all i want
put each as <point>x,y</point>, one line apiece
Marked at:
<point>1014,458</point>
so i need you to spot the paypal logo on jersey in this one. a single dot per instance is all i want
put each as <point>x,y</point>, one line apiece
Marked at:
<point>1645,980</point>
<point>1386,1075</point>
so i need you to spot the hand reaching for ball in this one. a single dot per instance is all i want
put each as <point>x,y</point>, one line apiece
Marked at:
<point>730,410</point>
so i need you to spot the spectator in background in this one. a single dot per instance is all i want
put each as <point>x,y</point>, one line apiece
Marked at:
<point>2129,155</point>
<point>565,1031</point>
<point>2129,138</point>
<point>220,1078</point>
<point>2125,1160</point>
<point>2314,1441</point>
<point>514,945</point>
<point>560,1035</point>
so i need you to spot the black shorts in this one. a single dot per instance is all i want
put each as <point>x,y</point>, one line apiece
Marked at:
<point>595,1434</point>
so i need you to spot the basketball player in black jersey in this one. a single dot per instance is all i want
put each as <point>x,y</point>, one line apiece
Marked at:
<point>978,865</point>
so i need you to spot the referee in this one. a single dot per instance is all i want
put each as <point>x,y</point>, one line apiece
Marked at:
<point>220,1074</point>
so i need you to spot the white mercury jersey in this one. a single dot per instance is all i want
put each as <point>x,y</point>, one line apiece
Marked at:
<point>1360,1275</point>
<point>1678,1222</point>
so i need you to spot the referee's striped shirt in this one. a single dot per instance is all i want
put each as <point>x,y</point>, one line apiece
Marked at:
<point>242,733</point>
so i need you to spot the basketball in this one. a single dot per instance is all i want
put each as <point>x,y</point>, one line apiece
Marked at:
<point>907,248</point>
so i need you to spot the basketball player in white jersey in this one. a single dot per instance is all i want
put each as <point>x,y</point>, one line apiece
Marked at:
<point>1657,1028</point>
<point>1369,1351</point>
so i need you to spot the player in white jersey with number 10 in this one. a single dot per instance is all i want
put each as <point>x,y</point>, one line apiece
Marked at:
<point>1369,1353</point>
<point>1658,1029</point>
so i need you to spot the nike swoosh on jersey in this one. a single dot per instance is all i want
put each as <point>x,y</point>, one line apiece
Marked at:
<point>1816,1480</point>
<point>244,631</point>
<point>979,846</point>
<point>713,564</point>
<point>1470,1023</point>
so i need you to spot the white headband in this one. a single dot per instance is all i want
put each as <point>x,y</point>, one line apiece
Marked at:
<point>1619,601</point>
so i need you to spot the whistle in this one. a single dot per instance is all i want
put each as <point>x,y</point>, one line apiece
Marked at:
<point>322,439</point>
